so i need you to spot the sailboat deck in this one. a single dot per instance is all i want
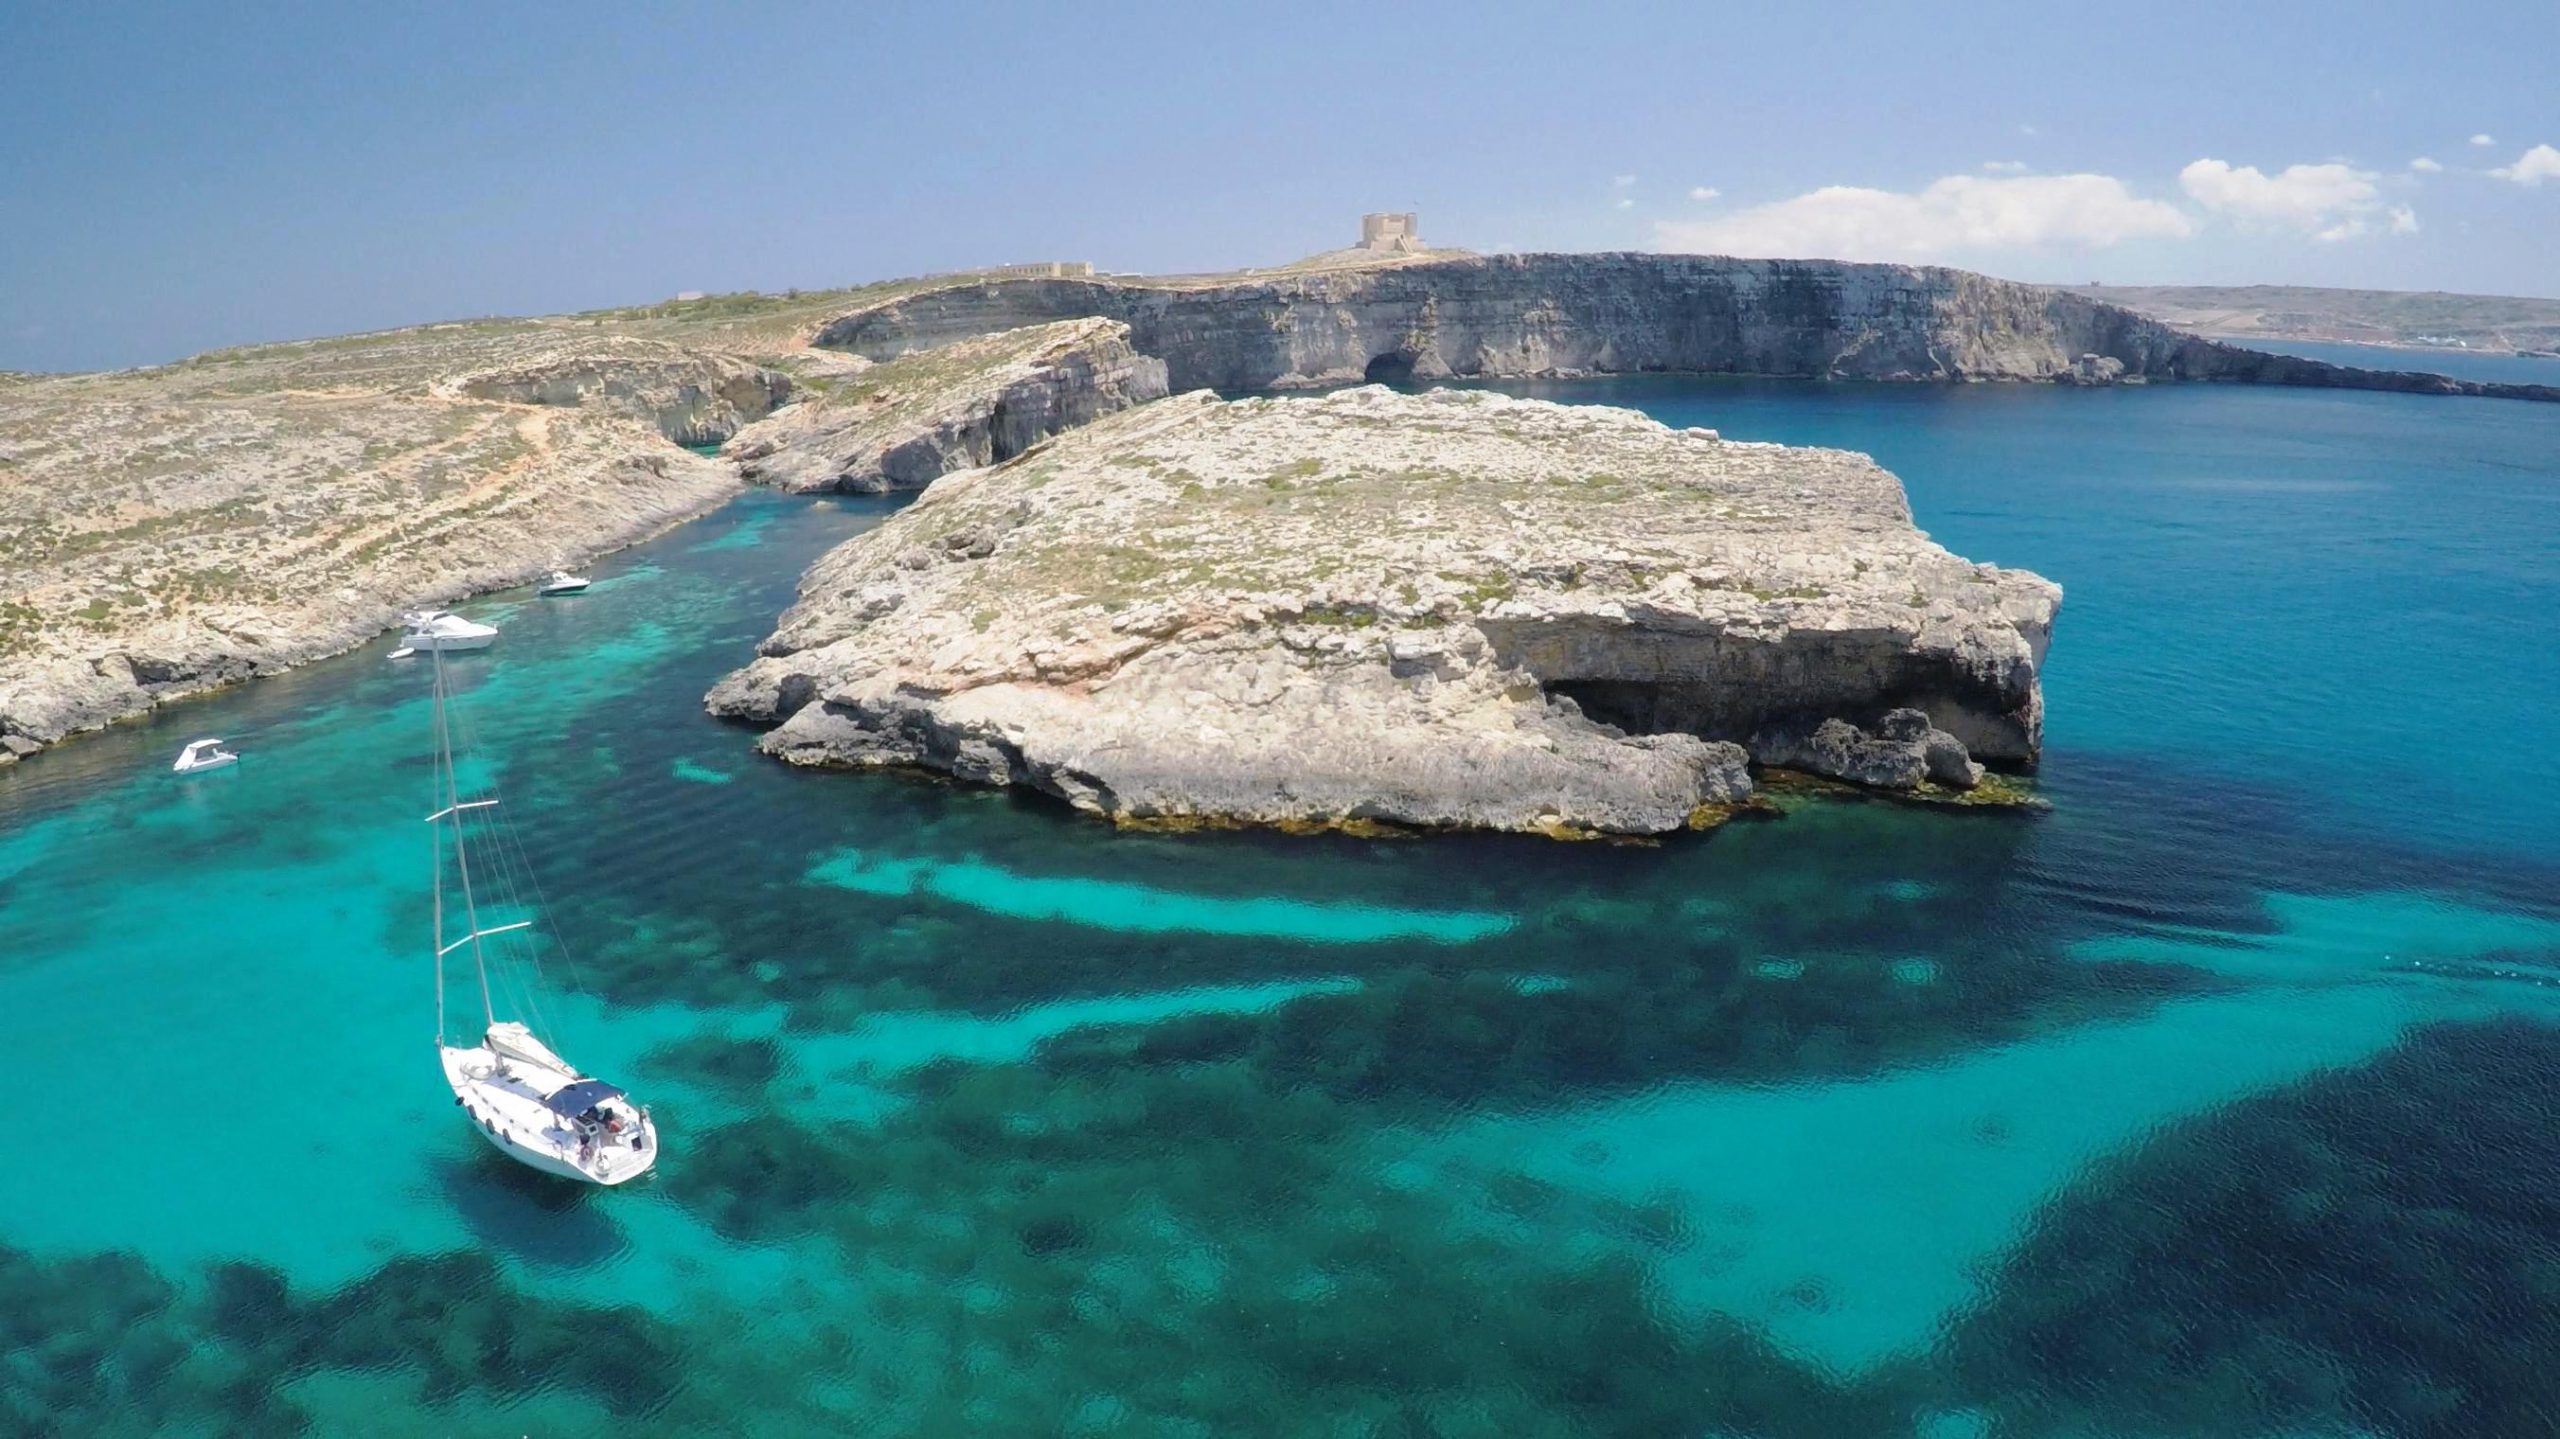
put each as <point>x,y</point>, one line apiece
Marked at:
<point>507,1106</point>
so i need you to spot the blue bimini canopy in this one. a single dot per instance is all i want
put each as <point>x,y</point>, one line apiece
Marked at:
<point>575,1099</point>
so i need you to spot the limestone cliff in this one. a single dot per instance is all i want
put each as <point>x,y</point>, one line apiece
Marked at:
<point>1527,315</point>
<point>1447,609</point>
<point>898,425</point>
<point>689,396</point>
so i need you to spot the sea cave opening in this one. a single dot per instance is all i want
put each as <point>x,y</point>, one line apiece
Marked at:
<point>1392,368</point>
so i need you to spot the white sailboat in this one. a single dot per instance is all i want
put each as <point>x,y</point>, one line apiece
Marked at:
<point>527,1101</point>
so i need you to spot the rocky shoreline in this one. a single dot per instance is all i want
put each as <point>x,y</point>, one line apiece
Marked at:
<point>166,532</point>
<point>1447,610</point>
<point>173,531</point>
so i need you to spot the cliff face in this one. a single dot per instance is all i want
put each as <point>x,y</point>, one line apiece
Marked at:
<point>1529,315</point>
<point>899,425</point>
<point>1448,609</point>
<point>689,396</point>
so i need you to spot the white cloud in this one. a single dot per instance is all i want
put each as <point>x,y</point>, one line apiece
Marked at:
<point>1622,182</point>
<point>2029,131</point>
<point>2404,221</point>
<point>2328,200</point>
<point>2484,139</point>
<point>1626,204</point>
<point>1957,213</point>
<point>1704,192</point>
<point>2005,167</point>
<point>2532,167</point>
<point>2425,166</point>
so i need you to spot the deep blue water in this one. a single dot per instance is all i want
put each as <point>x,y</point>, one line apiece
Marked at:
<point>2220,1100</point>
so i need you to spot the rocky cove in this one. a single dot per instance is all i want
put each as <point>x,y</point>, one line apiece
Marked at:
<point>168,531</point>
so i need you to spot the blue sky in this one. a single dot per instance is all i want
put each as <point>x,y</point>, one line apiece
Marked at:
<point>175,178</point>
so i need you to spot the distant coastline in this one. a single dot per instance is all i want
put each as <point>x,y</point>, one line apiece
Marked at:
<point>2433,321</point>
<point>2509,367</point>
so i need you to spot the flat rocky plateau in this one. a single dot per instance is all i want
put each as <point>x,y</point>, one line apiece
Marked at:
<point>1453,609</point>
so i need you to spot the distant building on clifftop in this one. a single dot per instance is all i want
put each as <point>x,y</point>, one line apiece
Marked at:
<point>1043,270</point>
<point>1391,233</point>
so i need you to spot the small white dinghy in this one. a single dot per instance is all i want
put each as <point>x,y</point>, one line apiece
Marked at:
<point>203,755</point>
<point>561,582</point>
<point>530,1104</point>
<point>441,630</point>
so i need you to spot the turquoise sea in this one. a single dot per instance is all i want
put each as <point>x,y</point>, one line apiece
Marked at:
<point>2224,1099</point>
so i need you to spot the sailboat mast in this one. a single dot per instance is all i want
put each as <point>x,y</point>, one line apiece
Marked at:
<point>461,859</point>
<point>435,858</point>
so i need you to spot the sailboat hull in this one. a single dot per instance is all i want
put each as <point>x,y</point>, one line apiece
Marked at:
<point>503,1096</point>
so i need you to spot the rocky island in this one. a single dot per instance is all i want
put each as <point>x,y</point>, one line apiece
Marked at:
<point>1453,609</point>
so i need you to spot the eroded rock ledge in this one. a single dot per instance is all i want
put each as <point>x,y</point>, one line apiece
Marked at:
<point>1451,609</point>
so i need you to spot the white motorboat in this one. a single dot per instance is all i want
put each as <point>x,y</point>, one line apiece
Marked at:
<point>203,755</point>
<point>561,582</point>
<point>440,630</point>
<point>530,1104</point>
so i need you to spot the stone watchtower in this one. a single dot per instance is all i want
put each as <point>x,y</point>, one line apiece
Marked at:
<point>1390,233</point>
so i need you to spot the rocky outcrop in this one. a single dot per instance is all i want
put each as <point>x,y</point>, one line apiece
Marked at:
<point>1447,609</point>
<point>1903,752</point>
<point>692,397</point>
<point>1533,315</point>
<point>897,426</point>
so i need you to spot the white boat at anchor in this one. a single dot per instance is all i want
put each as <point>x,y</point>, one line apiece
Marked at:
<point>561,582</point>
<point>437,630</point>
<point>203,755</point>
<point>530,1104</point>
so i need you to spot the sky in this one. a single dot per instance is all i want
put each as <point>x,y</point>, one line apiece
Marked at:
<point>176,178</point>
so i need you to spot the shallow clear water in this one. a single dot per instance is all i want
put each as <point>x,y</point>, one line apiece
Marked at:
<point>2219,1100</point>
